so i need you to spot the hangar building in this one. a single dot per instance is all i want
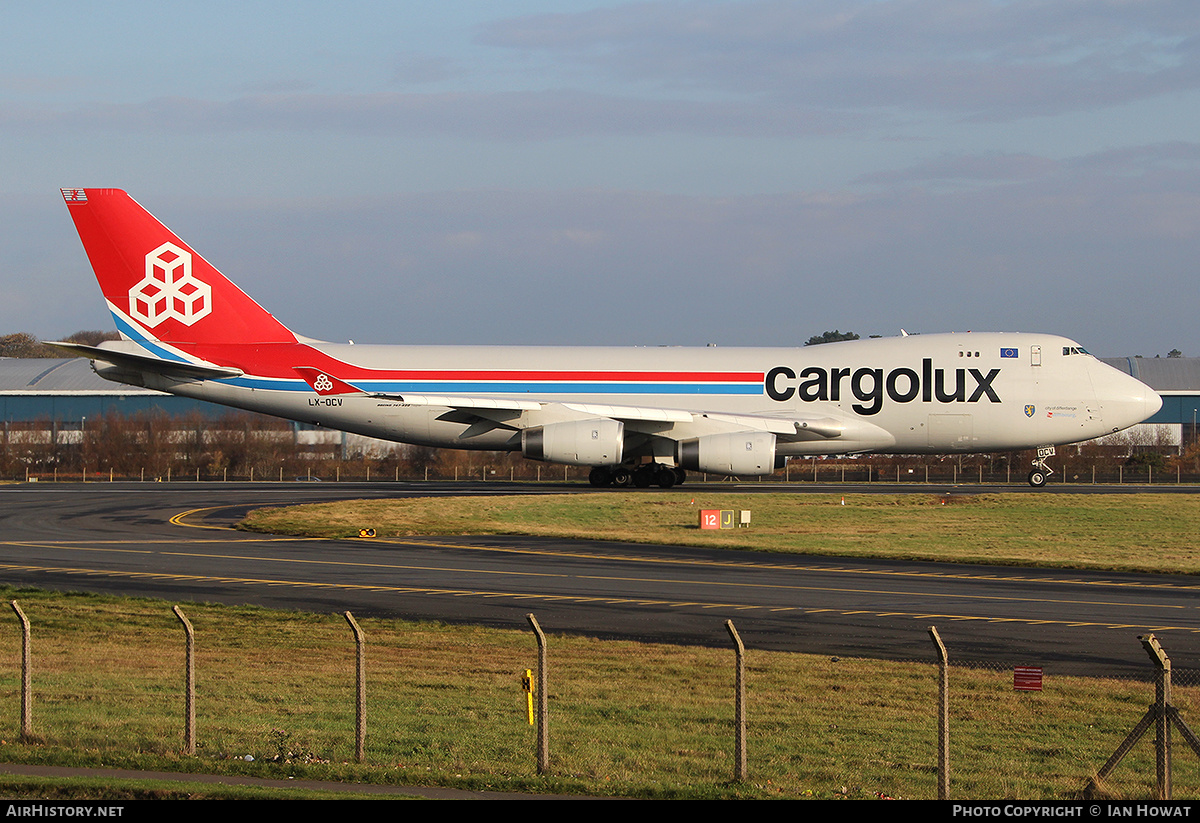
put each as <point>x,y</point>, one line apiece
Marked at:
<point>62,394</point>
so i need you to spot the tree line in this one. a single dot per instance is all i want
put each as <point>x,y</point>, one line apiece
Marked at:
<point>25,345</point>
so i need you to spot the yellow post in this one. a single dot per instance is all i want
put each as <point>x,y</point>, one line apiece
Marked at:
<point>527,684</point>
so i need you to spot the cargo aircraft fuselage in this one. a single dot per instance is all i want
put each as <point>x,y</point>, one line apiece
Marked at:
<point>639,416</point>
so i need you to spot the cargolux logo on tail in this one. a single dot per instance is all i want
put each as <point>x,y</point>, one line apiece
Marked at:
<point>169,289</point>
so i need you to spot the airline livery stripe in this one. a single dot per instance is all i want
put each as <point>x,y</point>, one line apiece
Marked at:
<point>563,387</point>
<point>133,333</point>
<point>348,372</point>
<point>446,387</point>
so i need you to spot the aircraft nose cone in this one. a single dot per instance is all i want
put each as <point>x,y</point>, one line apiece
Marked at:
<point>1144,401</point>
<point>1126,401</point>
<point>1153,401</point>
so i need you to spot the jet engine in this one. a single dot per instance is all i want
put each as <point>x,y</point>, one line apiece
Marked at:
<point>736,453</point>
<point>594,442</point>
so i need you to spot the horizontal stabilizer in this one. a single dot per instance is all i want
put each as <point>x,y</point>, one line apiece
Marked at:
<point>137,361</point>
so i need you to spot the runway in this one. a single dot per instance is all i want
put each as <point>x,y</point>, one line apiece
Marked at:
<point>174,542</point>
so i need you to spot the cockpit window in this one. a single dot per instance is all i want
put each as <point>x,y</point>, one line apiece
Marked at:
<point>1068,350</point>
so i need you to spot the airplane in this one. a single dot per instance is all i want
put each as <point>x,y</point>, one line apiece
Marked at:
<point>637,416</point>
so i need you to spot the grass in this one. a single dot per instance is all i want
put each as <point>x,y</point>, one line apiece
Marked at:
<point>1140,532</point>
<point>123,789</point>
<point>445,707</point>
<point>628,719</point>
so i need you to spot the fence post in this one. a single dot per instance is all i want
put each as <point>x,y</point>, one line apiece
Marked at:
<point>26,693</point>
<point>1161,715</point>
<point>943,716</point>
<point>543,707</point>
<point>1162,721</point>
<point>189,685</point>
<point>739,705</point>
<point>360,679</point>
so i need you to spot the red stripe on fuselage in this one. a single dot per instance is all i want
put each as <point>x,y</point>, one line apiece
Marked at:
<point>277,360</point>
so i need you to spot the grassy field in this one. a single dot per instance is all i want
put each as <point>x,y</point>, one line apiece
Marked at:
<point>1140,532</point>
<point>445,707</point>
<point>118,790</point>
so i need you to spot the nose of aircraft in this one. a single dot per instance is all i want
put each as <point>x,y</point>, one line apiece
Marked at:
<point>1125,401</point>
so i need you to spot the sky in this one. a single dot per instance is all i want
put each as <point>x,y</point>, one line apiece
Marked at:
<point>645,173</point>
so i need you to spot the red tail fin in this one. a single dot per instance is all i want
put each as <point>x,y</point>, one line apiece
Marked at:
<point>156,286</point>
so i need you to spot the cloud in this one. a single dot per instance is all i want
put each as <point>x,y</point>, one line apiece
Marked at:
<point>974,57</point>
<point>1099,247</point>
<point>967,169</point>
<point>765,69</point>
<point>1041,245</point>
<point>519,115</point>
<point>420,69</point>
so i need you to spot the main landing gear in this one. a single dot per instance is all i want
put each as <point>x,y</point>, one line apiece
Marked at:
<point>643,477</point>
<point>1040,471</point>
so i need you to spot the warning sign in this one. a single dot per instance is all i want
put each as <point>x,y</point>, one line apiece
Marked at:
<point>1027,679</point>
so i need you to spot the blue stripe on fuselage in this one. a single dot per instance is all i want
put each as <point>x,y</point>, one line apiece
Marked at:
<point>543,388</point>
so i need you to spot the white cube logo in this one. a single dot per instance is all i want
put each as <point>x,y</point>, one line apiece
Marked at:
<point>169,289</point>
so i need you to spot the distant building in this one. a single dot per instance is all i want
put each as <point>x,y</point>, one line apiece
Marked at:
<point>63,394</point>
<point>67,392</point>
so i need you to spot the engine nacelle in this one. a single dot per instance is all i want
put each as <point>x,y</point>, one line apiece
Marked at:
<point>594,442</point>
<point>738,453</point>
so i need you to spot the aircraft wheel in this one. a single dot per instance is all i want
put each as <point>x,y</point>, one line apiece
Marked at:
<point>621,477</point>
<point>600,476</point>
<point>1037,478</point>
<point>643,478</point>
<point>680,475</point>
<point>666,477</point>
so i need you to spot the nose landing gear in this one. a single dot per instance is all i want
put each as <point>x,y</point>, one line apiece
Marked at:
<point>1040,471</point>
